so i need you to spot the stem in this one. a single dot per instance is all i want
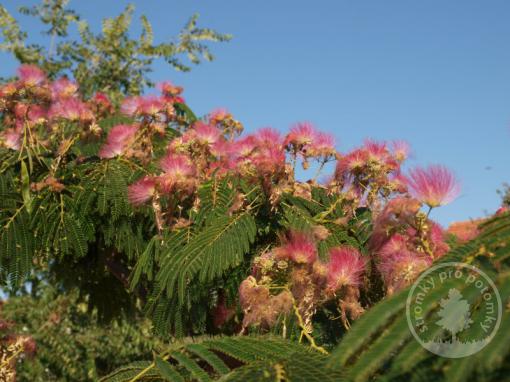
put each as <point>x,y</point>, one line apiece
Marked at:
<point>133,164</point>
<point>422,230</point>
<point>144,371</point>
<point>321,217</point>
<point>304,332</point>
<point>156,206</point>
<point>293,161</point>
<point>13,355</point>
<point>52,44</point>
<point>64,151</point>
<point>314,179</point>
<point>61,209</point>
<point>11,219</point>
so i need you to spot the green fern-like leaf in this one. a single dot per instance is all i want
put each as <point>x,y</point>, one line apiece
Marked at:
<point>257,359</point>
<point>16,248</point>
<point>221,245</point>
<point>128,372</point>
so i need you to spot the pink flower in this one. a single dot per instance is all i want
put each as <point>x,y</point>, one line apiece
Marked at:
<point>437,239</point>
<point>501,210</point>
<point>101,101</point>
<point>466,230</point>
<point>221,149</point>
<point>31,75</point>
<point>37,114</point>
<point>222,312</point>
<point>434,185</point>
<point>376,151</point>
<point>398,182</point>
<point>219,168</point>
<point>243,147</point>
<point>251,294</point>
<point>141,191</point>
<point>353,161</point>
<point>130,105</point>
<point>102,98</point>
<point>323,145</point>
<point>301,134</point>
<point>397,243</point>
<point>71,109</point>
<point>21,109</point>
<point>8,89</point>
<point>219,115</point>
<point>398,265</point>
<point>345,267</point>
<point>397,212</point>
<point>63,88</point>
<point>268,136</point>
<point>150,105</point>
<point>179,173</point>
<point>206,134</point>
<point>269,160</point>
<point>401,150</point>
<point>118,140</point>
<point>121,133</point>
<point>169,89</point>
<point>12,138</point>
<point>299,248</point>
<point>111,150</point>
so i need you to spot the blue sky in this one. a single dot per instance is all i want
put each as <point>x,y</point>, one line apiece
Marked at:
<point>435,73</point>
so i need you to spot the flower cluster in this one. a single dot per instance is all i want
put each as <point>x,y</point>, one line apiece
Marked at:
<point>465,231</point>
<point>372,171</point>
<point>213,147</point>
<point>224,120</point>
<point>208,148</point>
<point>306,142</point>
<point>291,277</point>
<point>151,116</point>
<point>175,153</point>
<point>38,113</point>
<point>404,242</point>
<point>433,186</point>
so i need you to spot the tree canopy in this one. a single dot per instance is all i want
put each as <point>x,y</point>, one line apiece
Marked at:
<point>139,241</point>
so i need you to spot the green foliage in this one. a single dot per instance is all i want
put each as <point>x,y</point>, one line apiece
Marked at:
<point>505,195</point>
<point>231,359</point>
<point>112,61</point>
<point>207,254</point>
<point>188,267</point>
<point>180,240</point>
<point>16,241</point>
<point>72,345</point>
<point>16,248</point>
<point>381,344</point>
<point>196,255</point>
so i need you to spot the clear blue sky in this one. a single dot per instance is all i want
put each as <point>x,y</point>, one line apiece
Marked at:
<point>435,73</point>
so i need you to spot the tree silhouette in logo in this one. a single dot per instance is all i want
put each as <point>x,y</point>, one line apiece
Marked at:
<point>455,314</point>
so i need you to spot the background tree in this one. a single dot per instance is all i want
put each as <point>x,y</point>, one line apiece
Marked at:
<point>505,195</point>
<point>72,344</point>
<point>110,61</point>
